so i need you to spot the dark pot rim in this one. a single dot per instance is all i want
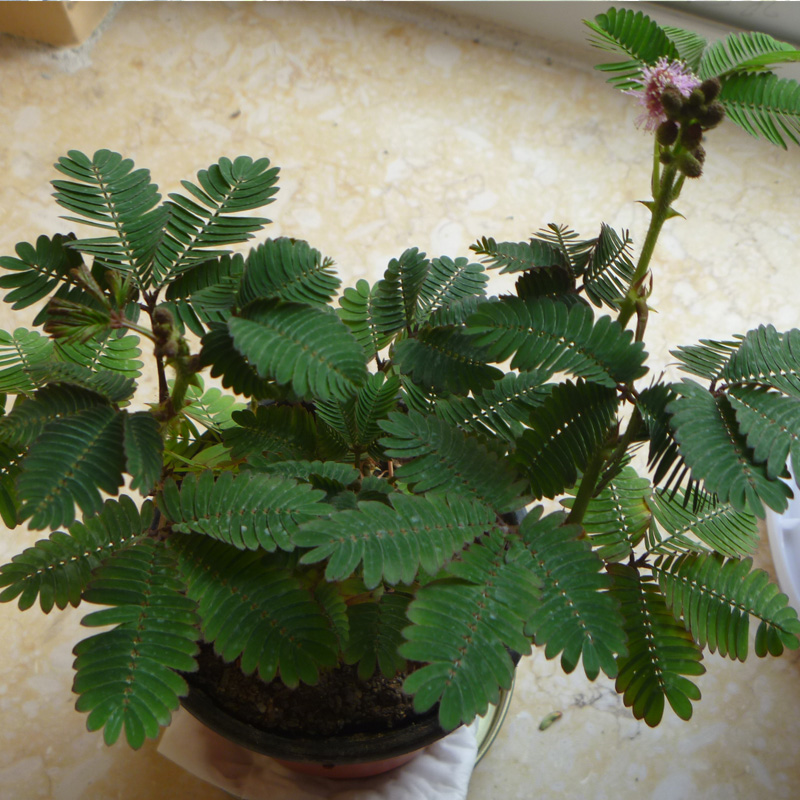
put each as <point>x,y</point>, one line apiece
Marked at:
<point>354,748</point>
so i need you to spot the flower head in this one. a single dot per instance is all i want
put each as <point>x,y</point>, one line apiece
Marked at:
<point>654,80</point>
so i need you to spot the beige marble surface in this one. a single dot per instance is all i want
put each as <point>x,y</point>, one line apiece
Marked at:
<point>397,126</point>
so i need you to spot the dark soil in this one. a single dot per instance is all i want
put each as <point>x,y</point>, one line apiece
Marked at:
<point>339,704</point>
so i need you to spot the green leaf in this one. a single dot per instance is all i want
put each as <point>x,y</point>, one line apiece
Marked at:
<point>445,360</point>
<point>301,345</point>
<point>765,106</point>
<point>143,450</point>
<point>129,677</point>
<point>376,633</point>
<point>542,334</point>
<point>438,456</point>
<point>38,270</point>
<point>520,256</point>
<point>609,271</point>
<point>660,651</point>
<point>109,352</point>
<point>248,510</point>
<point>690,45</point>
<point>706,431</point>
<point>19,352</point>
<point>577,616</point>
<point>212,408</point>
<point>209,218</point>
<point>276,432</point>
<point>57,570</point>
<point>449,281</point>
<point>55,401</point>
<point>393,542</point>
<point>717,525</point>
<point>502,410</point>
<point>106,192</point>
<point>564,432</point>
<point>290,270</point>
<point>252,607</point>
<point>71,462</point>
<point>716,598</point>
<point>237,372</point>
<point>748,51</point>
<point>114,387</point>
<point>371,315</point>
<point>618,517</point>
<point>634,36</point>
<point>462,627</point>
<point>402,284</point>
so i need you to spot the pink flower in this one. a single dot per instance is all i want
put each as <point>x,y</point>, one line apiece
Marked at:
<point>654,80</point>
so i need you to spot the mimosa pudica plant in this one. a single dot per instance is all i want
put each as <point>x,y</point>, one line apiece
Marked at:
<point>351,496</point>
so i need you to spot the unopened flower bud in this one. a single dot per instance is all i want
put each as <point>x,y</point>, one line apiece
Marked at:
<point>696,99</point>
<point>692,136</point>
<point>667,133</point>
<point>710,89</point>
<point>690,166</point>
<point>699,153</point>
<point>712,116</point>
<point>666,158</point>
<point>672,102</point>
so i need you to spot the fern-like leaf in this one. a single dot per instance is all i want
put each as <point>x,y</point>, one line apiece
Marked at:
<point>330,476</point>
<point>275,432</point>
<point>502,410</point>
<point>376,633</point>
<point>568,427</point>
<point>706,431</point>
<point>56,570</point>
<point>462,626</point>
<point>403,281</point>
<point>767,358</point>
<point>248,511</point>
<point>542,334</point>
<point>633,35</point>
<point>716,598</point>
<point>519,256</point>
<point>371,315</point>
<point>438,456</point>
<point>716,525</point>
<point>445,360</point>
<point>577,617</point>
<point>71,461</point>
<point>212,408</point>
<point>765,106</point>
<point>106,192</point>
<point>252,607</point>
<point>236,371</point>
<point>745,52</point>
<point>128,678</point>
<point>143,449</point>
<point>393,542</point>
<point>610,270</point>
<point>618,517</point>
<point>290,270</point>
<point>690,45</point>
<point>207,220</point>
<point>107,352</point>
<point>301,345</point>
<point>447,282</point>
<point>38,270</point>
<point>661,652</point>
<point>19,352</point>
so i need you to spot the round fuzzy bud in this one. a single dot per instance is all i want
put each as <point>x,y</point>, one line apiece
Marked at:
<point>712,116</point>
<point>666,158</point>
<point>710,89</point>
<point>699,153</point>
<point>672,102</point>
<point>695,100</point>
<point>689,165</point>
<point>667,133</point>
<point>692,136</point>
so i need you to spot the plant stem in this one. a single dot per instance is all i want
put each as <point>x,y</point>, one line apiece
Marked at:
<point>660,212</point>
<point>587,488</point>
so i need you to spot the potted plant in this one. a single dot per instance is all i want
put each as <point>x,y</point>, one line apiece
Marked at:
<point>351,503</point>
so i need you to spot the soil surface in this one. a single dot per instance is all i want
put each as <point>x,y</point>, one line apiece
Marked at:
<point>340,703</point>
